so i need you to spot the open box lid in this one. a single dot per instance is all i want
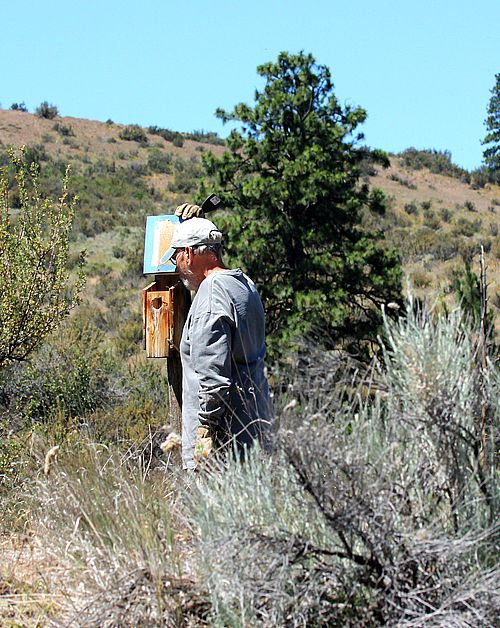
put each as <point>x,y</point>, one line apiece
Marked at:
<point>157,249</point>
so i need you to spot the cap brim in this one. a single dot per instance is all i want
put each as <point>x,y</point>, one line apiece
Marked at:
<point>168,257</point>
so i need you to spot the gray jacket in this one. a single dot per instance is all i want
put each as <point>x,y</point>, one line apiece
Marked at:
<point>222,353</point>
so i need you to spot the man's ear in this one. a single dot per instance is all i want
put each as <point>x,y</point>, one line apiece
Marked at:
<point>190,254</point>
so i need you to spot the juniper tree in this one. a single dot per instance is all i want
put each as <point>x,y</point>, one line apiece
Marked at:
<point>292,179</point>
<point>36,289</point>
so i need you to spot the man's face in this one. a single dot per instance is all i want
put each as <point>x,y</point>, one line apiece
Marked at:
<point>182,265</point>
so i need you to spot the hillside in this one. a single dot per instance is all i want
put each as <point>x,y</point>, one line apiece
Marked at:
<point>436,221</point>
<point>379,507</point>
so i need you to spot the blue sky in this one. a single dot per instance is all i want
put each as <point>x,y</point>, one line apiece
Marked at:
<point>423,69</point>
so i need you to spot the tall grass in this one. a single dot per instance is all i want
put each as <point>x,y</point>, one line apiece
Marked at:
<point>379,505</point>
<point>113,527</point>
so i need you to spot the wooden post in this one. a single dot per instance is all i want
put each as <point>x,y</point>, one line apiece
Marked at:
<point>166,304</point>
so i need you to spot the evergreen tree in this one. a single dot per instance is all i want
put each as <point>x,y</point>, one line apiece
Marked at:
<point>291,179</point>
<point>492,140</point>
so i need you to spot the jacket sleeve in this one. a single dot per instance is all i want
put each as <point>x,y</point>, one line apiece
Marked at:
<point>211,355</point>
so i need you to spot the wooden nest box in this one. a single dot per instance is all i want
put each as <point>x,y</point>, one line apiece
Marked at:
<point>165,300</point>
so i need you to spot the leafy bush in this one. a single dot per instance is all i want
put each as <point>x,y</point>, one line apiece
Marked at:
<point>480,177</point>
<point>19,107</point>
<point>207,137</point>
<point>70,376</point>
<point>446,247</point>
<point>35,154</point>
<point>64,130</point>
<point>411,208</point>
<point>402,181</point>
<point>445,214</point>
<point>187,176</point>
<point>431,220</point>
<point>110,197</point>
<point>167,134</point>
<point>424,241</point>
<point>466,227</point>
<point>133,133</point>
<point>159,161</point>
<point>44,110</point>
<point>438,162</point>
<point>36,289</point>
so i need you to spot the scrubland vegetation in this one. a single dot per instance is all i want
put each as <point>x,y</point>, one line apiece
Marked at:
<point>379,503</point>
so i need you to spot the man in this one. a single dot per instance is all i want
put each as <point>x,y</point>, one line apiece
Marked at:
<point>223,345</point>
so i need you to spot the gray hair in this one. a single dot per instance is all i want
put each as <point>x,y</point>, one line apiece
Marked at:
<point>203,249</point>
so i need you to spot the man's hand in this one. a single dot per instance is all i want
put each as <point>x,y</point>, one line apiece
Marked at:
<point>187,210</point>
<point>203,445</point>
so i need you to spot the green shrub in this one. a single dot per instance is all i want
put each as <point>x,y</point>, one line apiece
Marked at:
<point>466,227</point>
<point>133,133</point>
<point>411,208</point>
<point>402,181</point>
<point>467,249</point>
<point>438,162</point>
<point>44,110</point>
<point>445,214</point>
<point>70,376</point>
<point>36,289</point>
<point>187,175</point>
<point>35,154</point>
<point>47,138</point>
<point>208,137</point>
<point>64,130</point>
<point>129,339</point>
<point>423,241</point>
<point>480,177</point>
<point>110,197</point>
<point>19,107</point>
<point>167,134</point>
<point>446,247</point>
<point>159,161</point>
<point>431,220</point>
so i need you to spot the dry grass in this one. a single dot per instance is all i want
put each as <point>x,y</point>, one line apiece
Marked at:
<point>97,139</point>
<point>443,193</point>
<point>30,582</point>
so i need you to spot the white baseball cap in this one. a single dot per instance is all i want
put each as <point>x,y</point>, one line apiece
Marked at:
<point>195,231</point>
